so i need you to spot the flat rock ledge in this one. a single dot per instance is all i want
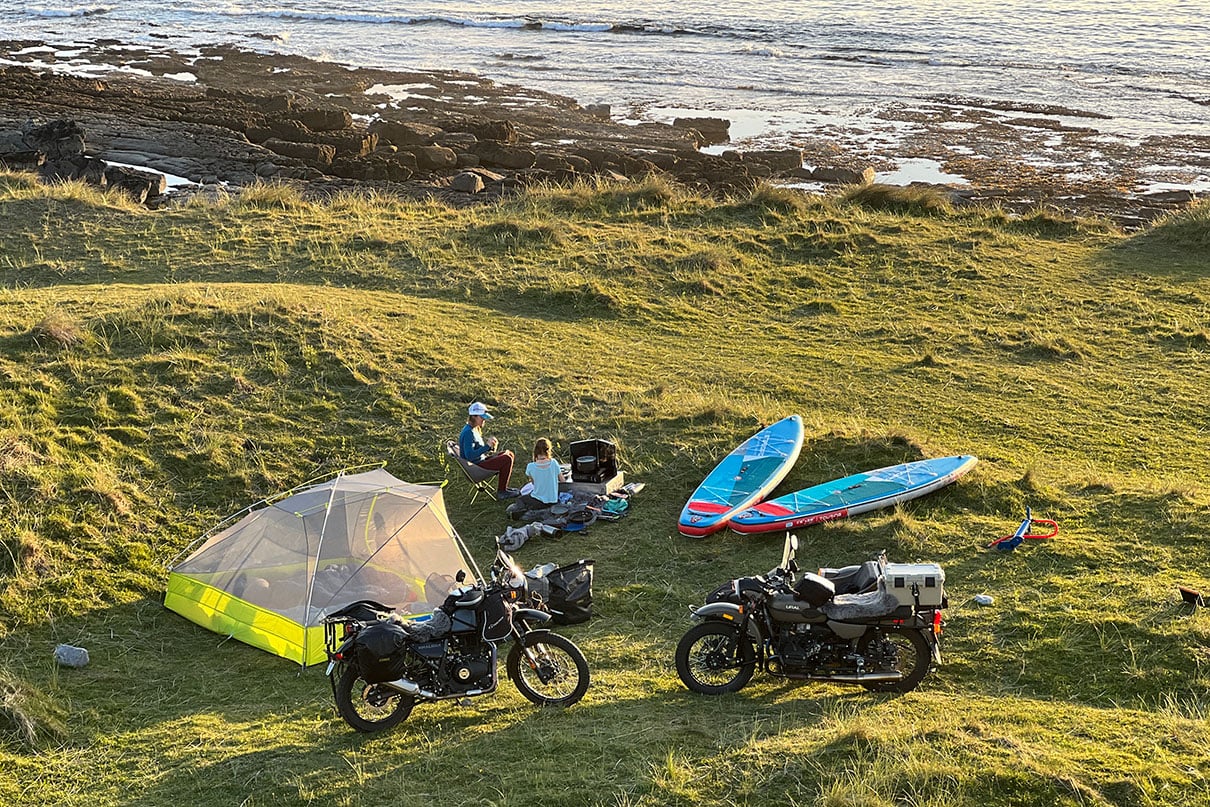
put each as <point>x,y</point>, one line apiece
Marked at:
<point>457,137</point>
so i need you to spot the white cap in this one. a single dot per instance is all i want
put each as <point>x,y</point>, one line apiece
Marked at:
<point>479,409</point>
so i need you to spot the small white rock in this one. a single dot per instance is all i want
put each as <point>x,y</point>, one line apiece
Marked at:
<point>70,656</point>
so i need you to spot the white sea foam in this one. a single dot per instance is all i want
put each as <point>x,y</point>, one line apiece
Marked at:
<point>80,11</point>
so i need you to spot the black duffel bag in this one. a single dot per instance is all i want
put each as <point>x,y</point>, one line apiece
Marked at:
<point>570,599</point>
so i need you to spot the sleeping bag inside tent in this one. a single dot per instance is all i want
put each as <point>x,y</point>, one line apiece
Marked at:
<point>268,575</point>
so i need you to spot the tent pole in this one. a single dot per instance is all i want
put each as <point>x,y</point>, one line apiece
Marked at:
<point>306,615</point>
<point>466,554</point>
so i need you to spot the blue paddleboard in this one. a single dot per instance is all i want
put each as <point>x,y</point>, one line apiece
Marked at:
<point>744,477</point>
<point>854,494</point>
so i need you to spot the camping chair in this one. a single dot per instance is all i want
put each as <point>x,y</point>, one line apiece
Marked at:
<point>481,479</point>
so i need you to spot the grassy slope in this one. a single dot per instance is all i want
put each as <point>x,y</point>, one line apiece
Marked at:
<point>160,370</point>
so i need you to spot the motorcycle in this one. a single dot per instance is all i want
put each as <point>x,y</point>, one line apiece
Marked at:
<point>874,624</point>
<point>380,666</point>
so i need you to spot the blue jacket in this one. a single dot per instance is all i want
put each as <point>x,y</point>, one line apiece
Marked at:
<point>471,445</point>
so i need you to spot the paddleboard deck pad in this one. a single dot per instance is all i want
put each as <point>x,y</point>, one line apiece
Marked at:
<point>744,477</point>
<point>859,493</point>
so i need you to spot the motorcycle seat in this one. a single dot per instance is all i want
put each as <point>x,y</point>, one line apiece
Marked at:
<point>856,579</point>
<point>855,607</point>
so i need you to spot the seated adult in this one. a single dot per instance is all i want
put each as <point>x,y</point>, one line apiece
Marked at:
<point>474,448</point>
<point>543,473</point>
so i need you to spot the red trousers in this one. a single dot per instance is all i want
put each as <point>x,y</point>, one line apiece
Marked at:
<point>503,464</point>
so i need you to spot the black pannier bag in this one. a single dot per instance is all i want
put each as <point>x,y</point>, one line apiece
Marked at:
<point>497,616</point>
<point>379,651</point>
<point>570,599</point>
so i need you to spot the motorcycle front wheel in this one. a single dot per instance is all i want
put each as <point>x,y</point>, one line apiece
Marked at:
<point>369,707</point>
<point>713,659</point>
<point>906,651</point>
<point>553,672</point>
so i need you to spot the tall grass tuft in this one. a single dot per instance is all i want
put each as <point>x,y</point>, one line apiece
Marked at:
<point>1046,222</point>
<point>58,328</point>
<point>29,718</point>
<point>1188,229</point>
<point>786,201</point>
<point>270,195</point>
<point>912,199</point>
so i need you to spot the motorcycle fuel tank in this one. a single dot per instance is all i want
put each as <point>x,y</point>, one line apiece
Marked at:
<point>788,608</point>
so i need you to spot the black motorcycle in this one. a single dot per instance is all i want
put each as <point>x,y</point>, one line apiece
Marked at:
<point>380,665</point>
<point>874,624</point>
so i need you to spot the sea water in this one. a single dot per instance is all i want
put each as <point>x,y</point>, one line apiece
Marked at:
<point>777,69</point>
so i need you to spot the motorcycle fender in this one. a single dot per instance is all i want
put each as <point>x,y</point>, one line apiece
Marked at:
<point>532,615</point>
<point>846,630</point>
<point>726,612</point>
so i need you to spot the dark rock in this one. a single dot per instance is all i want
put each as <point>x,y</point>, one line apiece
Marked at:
<point>434,157</point>
<point>280,128</point>
<point>663,161</point>
<point>467,160</point>
<point>599,111</point>
<point>57,139</point>
<point>838,175</point>
<point>141,185</point>
<point>1169,197</point>
<point>712,130</point>
<point>399,133</point>
<point>502,131</point>
<point>488,176</point>
<point>493,153</point>
<point>308,152</point>
<point>553,162</point>
<point>467,182</point>
<point>17,155</point>
<point>578,163</point>
<point>79,167</point>
<point>778,160</point>
<point>458,141</point>
<point>328,119</point>
<point>351,144</point>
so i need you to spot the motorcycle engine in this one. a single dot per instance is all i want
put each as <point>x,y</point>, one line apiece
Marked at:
<point>464,671</point>
<point>800,649</point>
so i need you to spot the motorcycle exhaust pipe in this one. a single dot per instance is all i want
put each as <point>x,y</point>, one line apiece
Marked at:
<point>409,688</point>
<point>860,678</point>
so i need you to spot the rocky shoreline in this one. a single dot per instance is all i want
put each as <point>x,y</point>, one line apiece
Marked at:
<point>231,117</point>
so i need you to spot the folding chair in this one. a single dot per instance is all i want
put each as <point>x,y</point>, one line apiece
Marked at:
<point>482,480</point>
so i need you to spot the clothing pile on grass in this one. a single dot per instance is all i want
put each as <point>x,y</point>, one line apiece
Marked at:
<point>575,511</point>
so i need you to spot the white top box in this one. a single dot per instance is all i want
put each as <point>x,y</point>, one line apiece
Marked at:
<point>927,578</point>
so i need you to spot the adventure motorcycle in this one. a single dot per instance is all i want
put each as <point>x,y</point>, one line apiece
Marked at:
<point>874,624</point>
<point>380,666</point>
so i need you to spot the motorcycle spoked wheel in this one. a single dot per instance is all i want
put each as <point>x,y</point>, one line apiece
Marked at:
<point>369,707</point>
<point>559,675</point>
<point>712,658</point>
<point>904,650</point>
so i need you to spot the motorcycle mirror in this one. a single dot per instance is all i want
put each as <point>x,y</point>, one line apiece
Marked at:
<point>461,576</point>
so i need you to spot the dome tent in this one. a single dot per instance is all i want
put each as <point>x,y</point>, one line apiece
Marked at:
<point>269,574</point>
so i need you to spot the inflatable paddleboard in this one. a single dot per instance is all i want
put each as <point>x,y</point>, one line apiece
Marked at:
<point>744,477</point>
<point>851,495</point>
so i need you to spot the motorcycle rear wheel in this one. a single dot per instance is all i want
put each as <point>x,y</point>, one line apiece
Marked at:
<point>558,676</point>
<point>369,707</point>
<point>713,659</point>
<point>906,651</point>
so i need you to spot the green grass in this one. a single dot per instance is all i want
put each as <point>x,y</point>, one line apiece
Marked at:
<point>159,371</point>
